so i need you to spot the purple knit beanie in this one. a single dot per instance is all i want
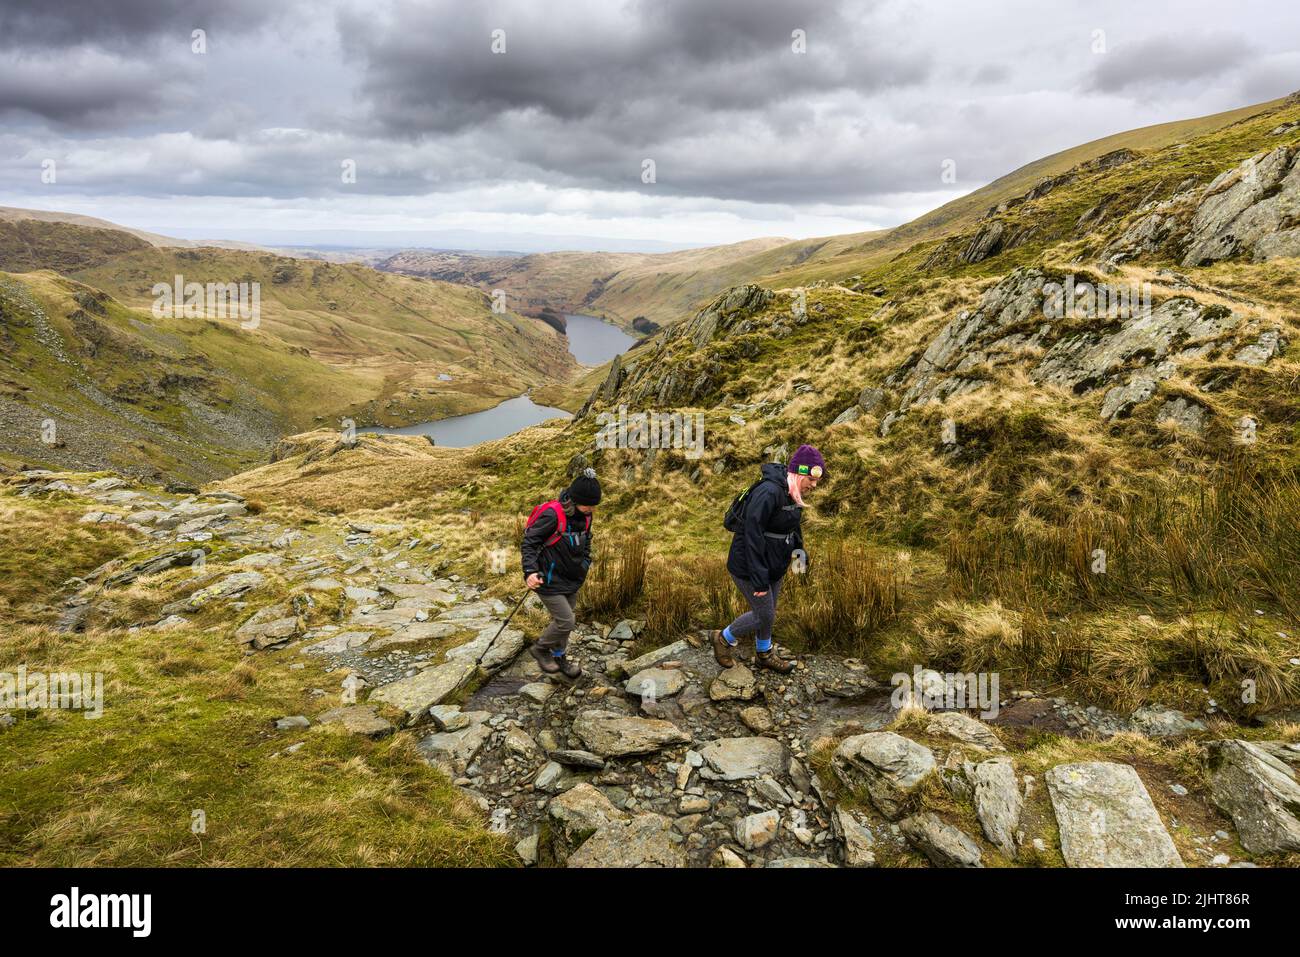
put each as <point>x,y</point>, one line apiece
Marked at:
<point>807,461</point>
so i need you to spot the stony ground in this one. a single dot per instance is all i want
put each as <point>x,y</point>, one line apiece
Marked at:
<point>658,757</point>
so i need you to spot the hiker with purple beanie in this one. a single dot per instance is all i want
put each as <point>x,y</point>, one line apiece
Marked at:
<point>556,555</point>
<point>765,526</point>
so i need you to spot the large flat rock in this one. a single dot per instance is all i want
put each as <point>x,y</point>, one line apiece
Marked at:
<point>738,759</point>
<point>419,692</point>
<point>1106,817</point>
<point>614,735</point>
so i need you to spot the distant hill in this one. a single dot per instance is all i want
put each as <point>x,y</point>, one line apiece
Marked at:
<point>202,397</point>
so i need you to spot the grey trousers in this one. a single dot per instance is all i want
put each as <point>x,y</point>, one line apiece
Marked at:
<point>555,636</point>
<point>761,615</point>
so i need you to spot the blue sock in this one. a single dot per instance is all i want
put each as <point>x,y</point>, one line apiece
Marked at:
<point>557,653</point>
<point>763,644</point>
<point>726,634</point>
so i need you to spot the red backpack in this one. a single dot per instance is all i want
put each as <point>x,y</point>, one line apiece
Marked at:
<point>560,518</point>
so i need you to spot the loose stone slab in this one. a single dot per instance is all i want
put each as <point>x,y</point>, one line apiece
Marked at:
<point>738,759</point>
<point>1106,817</point>
<point>421,691</point>
<point>614,735</point>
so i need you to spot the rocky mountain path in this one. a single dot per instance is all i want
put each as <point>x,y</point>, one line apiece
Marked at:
<point>657,756</point>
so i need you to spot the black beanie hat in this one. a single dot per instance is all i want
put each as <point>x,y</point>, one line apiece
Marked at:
<point>585,490</point>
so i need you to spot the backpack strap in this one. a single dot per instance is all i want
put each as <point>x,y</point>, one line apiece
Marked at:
<point>561,520</point>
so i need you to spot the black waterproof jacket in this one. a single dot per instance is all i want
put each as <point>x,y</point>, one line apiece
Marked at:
<point>759,558</point>
<point>563,566</point>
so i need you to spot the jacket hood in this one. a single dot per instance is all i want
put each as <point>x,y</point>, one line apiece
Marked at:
<point>775,472</point>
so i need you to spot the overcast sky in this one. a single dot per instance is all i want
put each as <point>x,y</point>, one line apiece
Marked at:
<point>748,137</point>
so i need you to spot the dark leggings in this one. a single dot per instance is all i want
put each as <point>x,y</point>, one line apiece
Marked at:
<point>762,611</point>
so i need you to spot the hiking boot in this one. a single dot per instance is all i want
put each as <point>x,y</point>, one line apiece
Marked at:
<point>772,659</point>
<point>722,651</point>
<point>568,668</point>
<point>545,660</point>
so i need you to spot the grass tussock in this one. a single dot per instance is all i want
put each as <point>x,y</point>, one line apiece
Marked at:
<point>845,598</point>
<point>617,575</point>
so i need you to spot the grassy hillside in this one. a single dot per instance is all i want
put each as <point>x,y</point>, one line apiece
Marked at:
<point>202,397</point>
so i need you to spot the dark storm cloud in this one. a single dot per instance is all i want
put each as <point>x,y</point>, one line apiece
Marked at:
<point>1173,58</point>
<point>583,95</point>
<point>119,24</point>
<point>429,67</point>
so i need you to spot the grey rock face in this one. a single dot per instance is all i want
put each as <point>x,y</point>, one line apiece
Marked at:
<point>738,759</point>
<point>1259,791</point>
<point>998,803</point>
<point>644,841</point>
<point>614,735</point>
<point>1157,722</point>
<point>859,842</point>
<point>1127,354</point>
<point>1106,817</point>
<point>889,766</point>
<point>1245,205</point>
<point>943,844</point>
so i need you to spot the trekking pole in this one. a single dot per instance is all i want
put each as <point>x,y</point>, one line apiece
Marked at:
<point>518,605</point>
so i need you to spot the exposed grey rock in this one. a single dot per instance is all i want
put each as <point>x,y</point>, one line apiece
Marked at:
<point>419,692</point>
<point>358,719</point>
<point>736,683</point>
<point>738,759</point>
<point>943,844</point>
<point>1245,205</point>
<point>998,803</point>
<point>579,759</point>
<point>985,243</point>
<point>757,830</point>
<point>1188,416</point>
<point>1106,817</point>
<point>859,842</point>
<point>614,735</point>
<point>1269,344</point>
<point>798,862</point>
<point>454,750</point>
<point>849,415</point>
<point>1259,791</point>
<point>580,811</point>
<point>643,841</point>
<point>889,766</point>
<point>652,658</point>
<point>961,726</point>
<point>1157,722</point>
<point>656,682</point>
<point>1128,354</point>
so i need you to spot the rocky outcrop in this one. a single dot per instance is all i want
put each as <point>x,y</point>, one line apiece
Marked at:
<point>998,803</point>
<point>653,378</point>
<point>943,844</point>
<point>1122,353</point>
<point>1253,208</point>
<point>610,734</point>
<point>1253,784</point>
<point>888,766</point>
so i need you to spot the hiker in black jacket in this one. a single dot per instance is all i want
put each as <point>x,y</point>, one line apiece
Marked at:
<point>556,555</point>
<point>768,535</point>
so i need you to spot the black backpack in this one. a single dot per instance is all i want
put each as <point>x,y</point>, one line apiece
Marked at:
<point>734,520</point>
